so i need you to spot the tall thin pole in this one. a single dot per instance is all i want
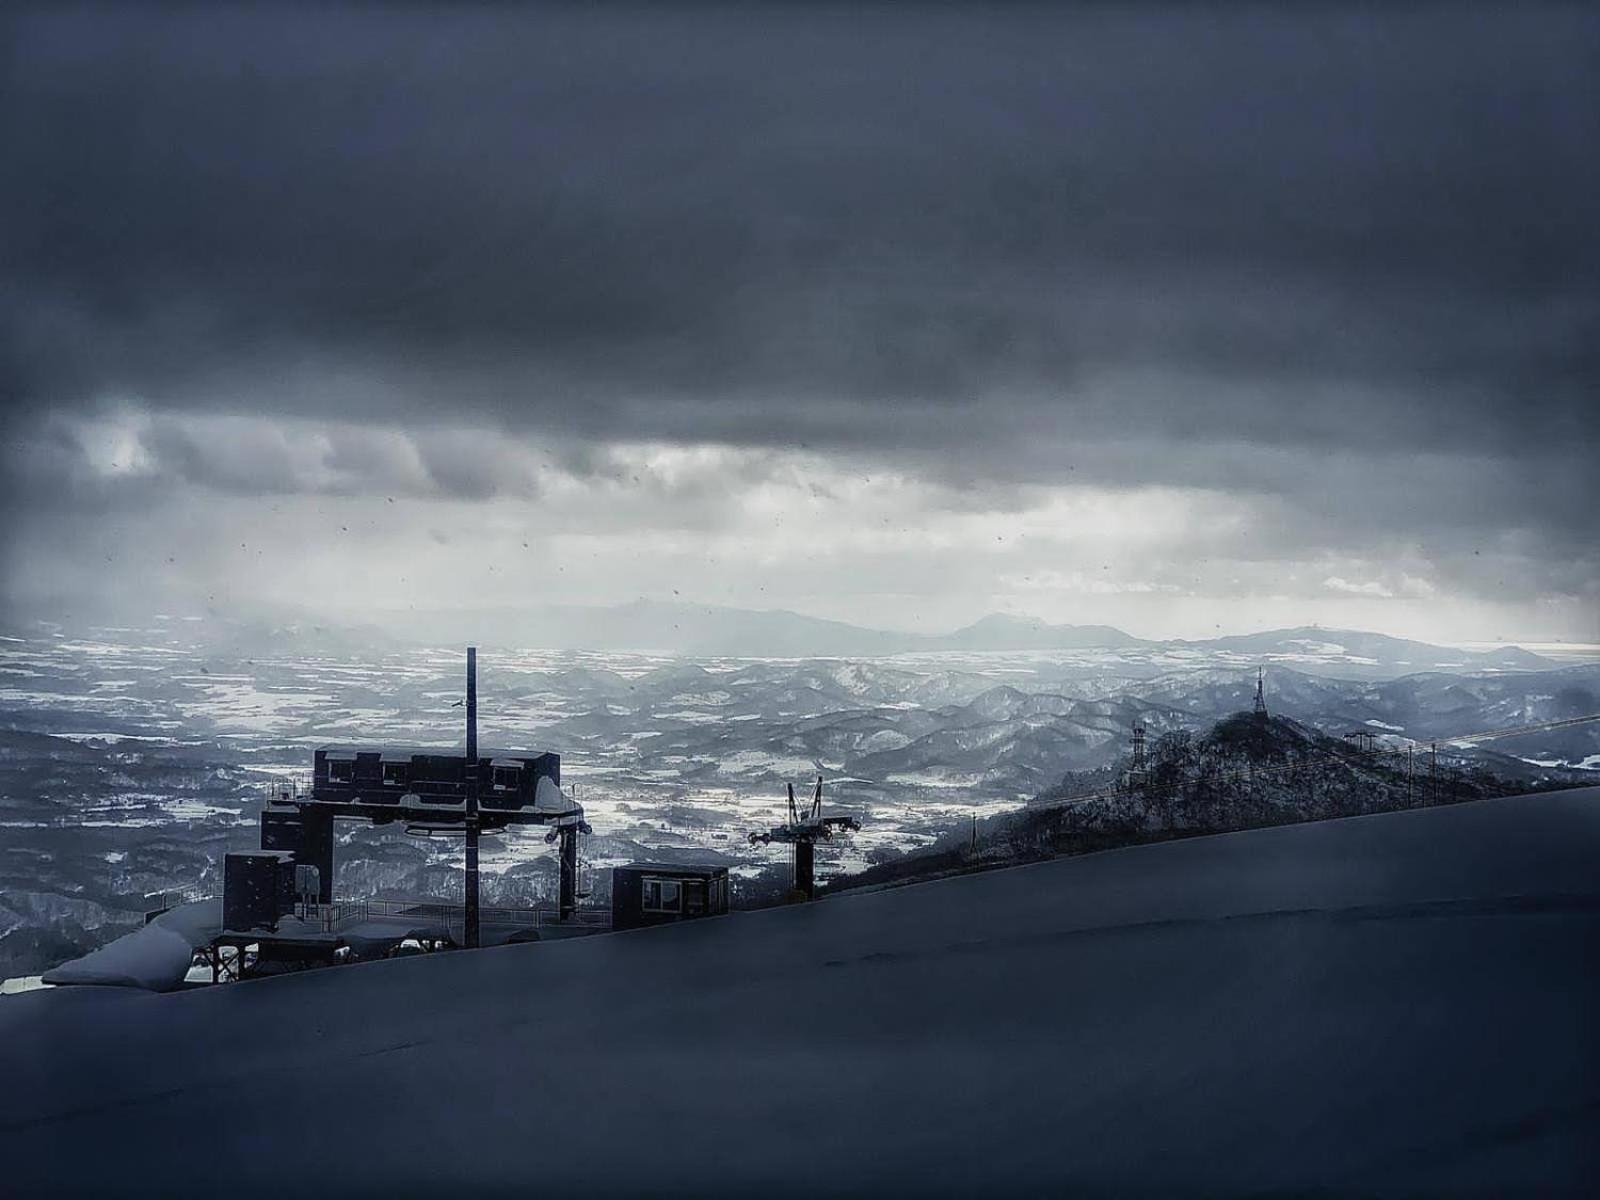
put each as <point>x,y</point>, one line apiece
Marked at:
<point>472,799</point>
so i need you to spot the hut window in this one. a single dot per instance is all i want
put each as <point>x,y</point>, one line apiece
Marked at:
<point>395,774</point>
<point>507,779</point>
<point>341,770</point>
<point>661,895</point>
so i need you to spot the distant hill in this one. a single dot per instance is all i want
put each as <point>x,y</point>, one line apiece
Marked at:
<point>716,631</point>
<point>710,630</point>
<point>687,629</point>
<point>1246,772</point>
<point>1001,632</point>
<point>1356,647</point>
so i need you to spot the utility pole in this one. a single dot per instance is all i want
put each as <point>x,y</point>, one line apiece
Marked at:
<point>1411,777</point>
<point>1433,772</point>
<point>471,922</point>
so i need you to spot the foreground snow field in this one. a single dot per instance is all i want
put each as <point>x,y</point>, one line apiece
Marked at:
<point>1399,1004</point>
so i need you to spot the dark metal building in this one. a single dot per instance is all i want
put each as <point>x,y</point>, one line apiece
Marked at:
<point>424,788</point>
<point>645,893</point>
<point>430,778</point>
<point>257,889</point>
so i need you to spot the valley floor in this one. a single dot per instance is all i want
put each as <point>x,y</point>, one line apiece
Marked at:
<point>1394,1004</point>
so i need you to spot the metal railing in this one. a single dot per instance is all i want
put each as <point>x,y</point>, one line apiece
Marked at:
<point>300,788</point>
<point>287,788</point>
<point>341,914</point>
<point>156,903</point>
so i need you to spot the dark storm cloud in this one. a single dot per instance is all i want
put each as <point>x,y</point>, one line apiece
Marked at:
<point>1285,250</point>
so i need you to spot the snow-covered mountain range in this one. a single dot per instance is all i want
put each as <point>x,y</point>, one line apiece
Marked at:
<point>131,759</point>
<point>690,630</point>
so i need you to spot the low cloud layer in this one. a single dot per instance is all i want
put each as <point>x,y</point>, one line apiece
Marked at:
<point>1299,307</point>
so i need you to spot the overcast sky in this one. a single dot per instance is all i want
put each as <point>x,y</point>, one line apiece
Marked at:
<point>1183,318</point>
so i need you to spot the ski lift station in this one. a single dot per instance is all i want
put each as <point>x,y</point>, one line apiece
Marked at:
<point>279,911</point>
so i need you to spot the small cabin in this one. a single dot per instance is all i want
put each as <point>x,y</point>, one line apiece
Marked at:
<point>429,777</point>
<point>645,893</point>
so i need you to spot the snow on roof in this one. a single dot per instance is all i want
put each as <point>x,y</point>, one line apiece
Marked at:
<point>154,957</point>
<point>401,752</point>
<point>677,868</point>
<point>548,798</point>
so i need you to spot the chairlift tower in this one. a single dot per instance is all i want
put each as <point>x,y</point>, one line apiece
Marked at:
<point>1261,695</point>
<point>803,833</point>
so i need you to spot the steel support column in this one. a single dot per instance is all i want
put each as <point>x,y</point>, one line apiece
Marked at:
<point>471,915</point>
<point>805,855</point>
<point>568,894</point>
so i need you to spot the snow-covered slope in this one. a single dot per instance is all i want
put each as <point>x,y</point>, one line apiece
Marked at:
<point>1393,1004</point>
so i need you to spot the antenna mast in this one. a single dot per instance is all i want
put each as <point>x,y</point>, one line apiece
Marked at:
<point>471,914</point>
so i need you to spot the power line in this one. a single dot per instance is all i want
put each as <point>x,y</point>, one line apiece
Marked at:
<point>1491,734</point>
